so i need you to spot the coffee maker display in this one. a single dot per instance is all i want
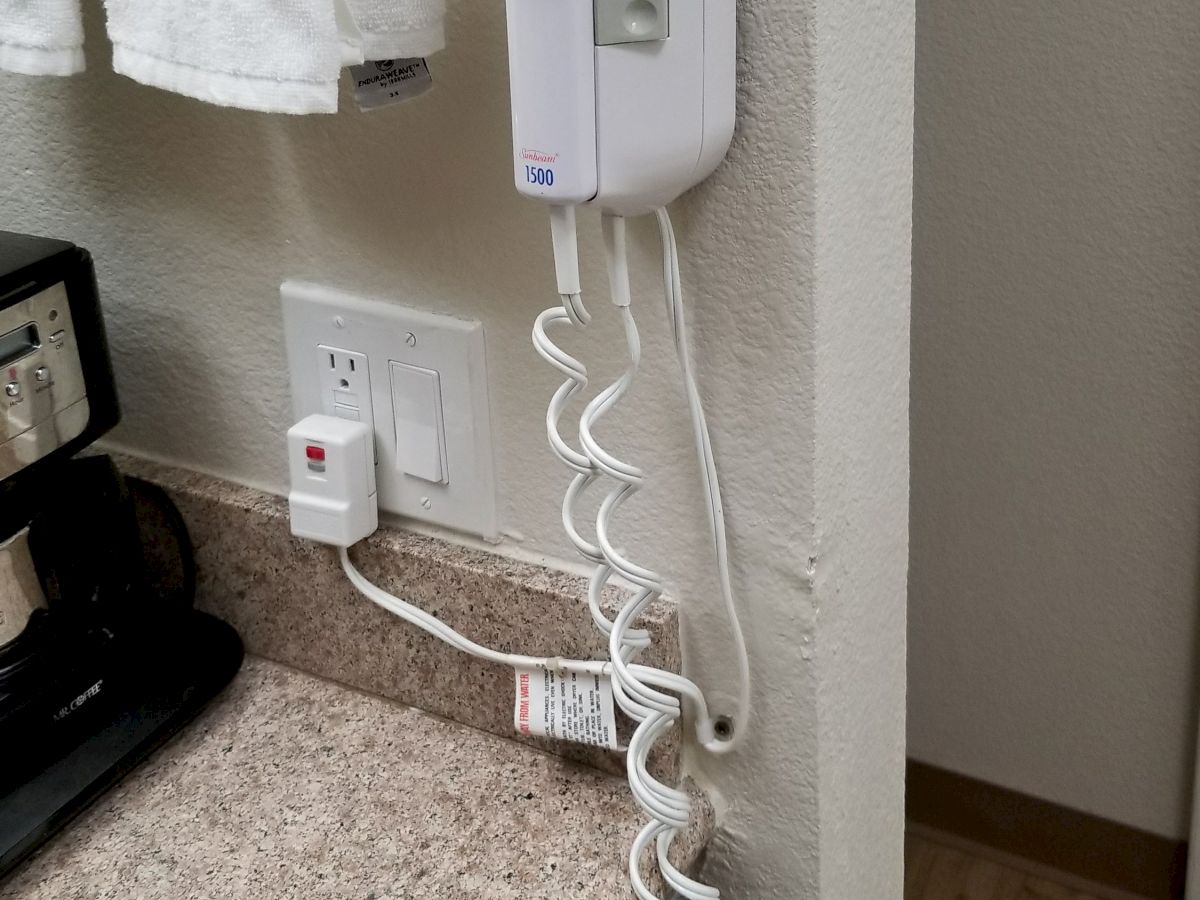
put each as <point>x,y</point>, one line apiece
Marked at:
<point>102,657</point>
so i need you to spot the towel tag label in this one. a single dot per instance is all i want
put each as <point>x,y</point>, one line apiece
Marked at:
<point>566,705</point>
<point>385,82</point>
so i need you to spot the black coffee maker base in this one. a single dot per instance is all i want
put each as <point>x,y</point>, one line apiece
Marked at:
<point>198,656</point>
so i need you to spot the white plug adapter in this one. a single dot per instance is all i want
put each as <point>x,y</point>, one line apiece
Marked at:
<point>332,466</point>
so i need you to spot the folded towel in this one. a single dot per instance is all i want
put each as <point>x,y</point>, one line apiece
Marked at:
<point>41,37</point>
<point>400,29</point>
<point>266,55</point>
<point>350,39</point>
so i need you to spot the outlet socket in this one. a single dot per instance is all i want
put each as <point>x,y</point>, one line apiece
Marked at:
<point>345,378</point>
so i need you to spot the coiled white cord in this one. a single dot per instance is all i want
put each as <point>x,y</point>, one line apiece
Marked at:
<point>639,690</point>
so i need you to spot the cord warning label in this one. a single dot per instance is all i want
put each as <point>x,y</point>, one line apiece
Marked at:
<point>566,705</point>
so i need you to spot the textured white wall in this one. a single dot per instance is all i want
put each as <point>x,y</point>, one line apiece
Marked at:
<point>864,153</point>
<point>195,214</point>
<point>1056,400</point>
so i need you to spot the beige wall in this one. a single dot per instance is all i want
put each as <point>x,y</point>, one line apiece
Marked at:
<point>1056,400</point>
<point>195,214</point>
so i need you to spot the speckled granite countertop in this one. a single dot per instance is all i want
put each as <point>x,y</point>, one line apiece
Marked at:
<point>293,787</point>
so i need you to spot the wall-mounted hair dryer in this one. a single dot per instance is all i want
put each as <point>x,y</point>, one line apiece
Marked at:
<point>620,104</point>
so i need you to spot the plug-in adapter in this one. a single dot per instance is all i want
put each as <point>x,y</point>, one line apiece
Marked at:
<point>332,467</point>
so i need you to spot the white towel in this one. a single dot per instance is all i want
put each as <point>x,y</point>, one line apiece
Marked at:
<point>400,29</point>
<point>266,55</point>
<point>41,37</point>
<point>350,39</point>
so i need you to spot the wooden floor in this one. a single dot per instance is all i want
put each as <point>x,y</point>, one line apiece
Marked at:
<point>934,871</point>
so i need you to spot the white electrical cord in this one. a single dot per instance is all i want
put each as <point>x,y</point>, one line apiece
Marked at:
<point>440,630</point>
<point>430,624</point>
<point>637,688</point>
<point>708,472</point>
<point>566,263</point>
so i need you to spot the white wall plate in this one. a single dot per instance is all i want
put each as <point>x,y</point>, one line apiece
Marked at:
<point>397,342</point>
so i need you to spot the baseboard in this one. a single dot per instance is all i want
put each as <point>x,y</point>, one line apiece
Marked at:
<point>1090,848</point>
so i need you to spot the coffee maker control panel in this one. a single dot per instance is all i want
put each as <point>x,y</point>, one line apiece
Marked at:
<point>43,404</point>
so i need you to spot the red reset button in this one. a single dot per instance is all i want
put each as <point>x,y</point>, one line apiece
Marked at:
<point>316,454</point>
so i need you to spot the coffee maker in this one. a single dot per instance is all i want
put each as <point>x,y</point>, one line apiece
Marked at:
<point>102,657</point>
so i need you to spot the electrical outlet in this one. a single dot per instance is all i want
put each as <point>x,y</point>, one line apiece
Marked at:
<point>345,378</point>
<point>419,380</point>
